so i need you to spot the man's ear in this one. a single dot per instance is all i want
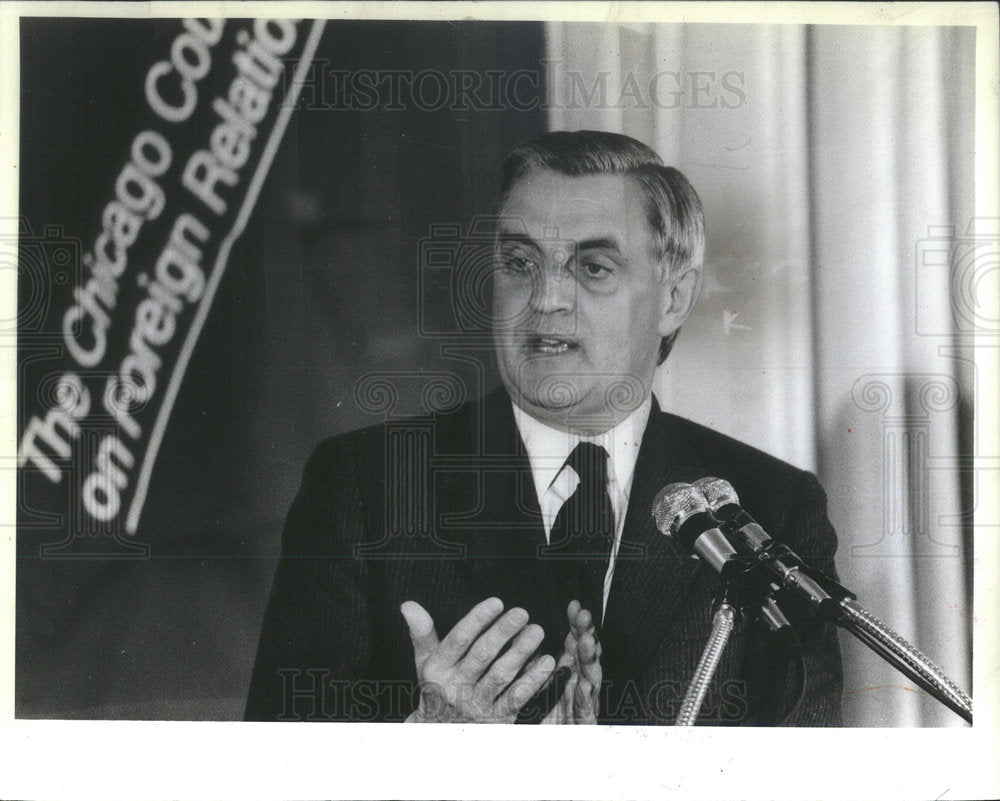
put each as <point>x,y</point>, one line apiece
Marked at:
<point>680,296</point>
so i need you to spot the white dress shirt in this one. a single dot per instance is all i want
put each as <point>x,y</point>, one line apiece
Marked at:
<point>548,448</point>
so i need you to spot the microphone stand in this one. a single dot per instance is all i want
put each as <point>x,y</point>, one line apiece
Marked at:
<point>741,553</point>
<point>744,590</point>
<point>903,656</point>
<point>723,623</point>
<point>836,603</point>
<point>740,593</point>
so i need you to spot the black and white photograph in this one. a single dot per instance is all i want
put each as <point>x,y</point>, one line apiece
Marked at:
<point>631,367</point>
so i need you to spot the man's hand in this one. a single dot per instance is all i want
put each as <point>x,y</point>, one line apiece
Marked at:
<point>582,653</point>
<point>461,678</point>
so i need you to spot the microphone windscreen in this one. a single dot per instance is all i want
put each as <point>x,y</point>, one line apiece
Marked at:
<point>717,491</point>
<point>674,504</point>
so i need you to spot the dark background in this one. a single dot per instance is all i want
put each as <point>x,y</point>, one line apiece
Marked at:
<point>320,291</point>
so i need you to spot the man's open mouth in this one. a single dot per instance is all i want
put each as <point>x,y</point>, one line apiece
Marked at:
<point>551,344</point>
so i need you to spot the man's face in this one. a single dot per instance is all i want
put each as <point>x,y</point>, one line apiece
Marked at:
<point>579,302</point>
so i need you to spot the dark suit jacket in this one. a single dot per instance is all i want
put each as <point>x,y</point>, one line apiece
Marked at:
<point>443,511</point>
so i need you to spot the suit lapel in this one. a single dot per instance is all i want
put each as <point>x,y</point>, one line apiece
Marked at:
<point>504,536</point>
<point>653,573</point>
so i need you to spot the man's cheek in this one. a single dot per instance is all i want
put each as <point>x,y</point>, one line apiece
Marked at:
<point>510,304</point>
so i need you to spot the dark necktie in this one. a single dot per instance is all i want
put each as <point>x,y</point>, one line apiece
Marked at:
<point>584,530</point>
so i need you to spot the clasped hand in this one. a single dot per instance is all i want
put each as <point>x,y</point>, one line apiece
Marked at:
<point>465,678</point>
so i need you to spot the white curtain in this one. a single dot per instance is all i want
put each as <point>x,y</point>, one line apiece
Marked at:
<point>835,167</point>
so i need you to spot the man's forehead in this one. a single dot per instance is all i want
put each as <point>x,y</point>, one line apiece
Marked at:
<point>582,194</point>
<point>551,205</point>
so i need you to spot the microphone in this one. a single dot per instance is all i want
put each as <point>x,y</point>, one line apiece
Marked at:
<point>820,590</point>
<point>831,599</point>
<point>681,511</point>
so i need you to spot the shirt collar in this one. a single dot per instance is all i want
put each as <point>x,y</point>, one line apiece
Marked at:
<point>548,448</point>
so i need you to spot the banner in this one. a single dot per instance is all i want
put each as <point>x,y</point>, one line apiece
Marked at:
<point>109,325</point>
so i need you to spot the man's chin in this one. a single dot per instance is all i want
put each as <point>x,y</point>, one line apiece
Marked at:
<point>557,397</point>
<point>564,405</point>
<point>559,400</point>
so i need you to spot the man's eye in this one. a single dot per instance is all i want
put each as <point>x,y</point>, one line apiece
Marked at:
<point>595,269</point>
<point>515,264</point>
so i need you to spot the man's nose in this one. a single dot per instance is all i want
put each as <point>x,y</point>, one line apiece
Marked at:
<point>553,290</point>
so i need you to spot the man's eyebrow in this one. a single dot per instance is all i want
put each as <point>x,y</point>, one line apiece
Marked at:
<point>515,237</point>
<point>598,243</point>
<point>602,243</point>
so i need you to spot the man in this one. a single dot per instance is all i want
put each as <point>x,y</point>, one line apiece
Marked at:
<point>530,543</point>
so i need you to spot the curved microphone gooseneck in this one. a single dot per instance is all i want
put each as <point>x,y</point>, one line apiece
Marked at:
<point>828,597</point>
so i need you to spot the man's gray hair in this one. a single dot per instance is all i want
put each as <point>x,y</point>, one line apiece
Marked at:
<point>673,208</point>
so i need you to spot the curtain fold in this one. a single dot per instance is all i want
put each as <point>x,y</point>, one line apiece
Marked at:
<point>835,167</point>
